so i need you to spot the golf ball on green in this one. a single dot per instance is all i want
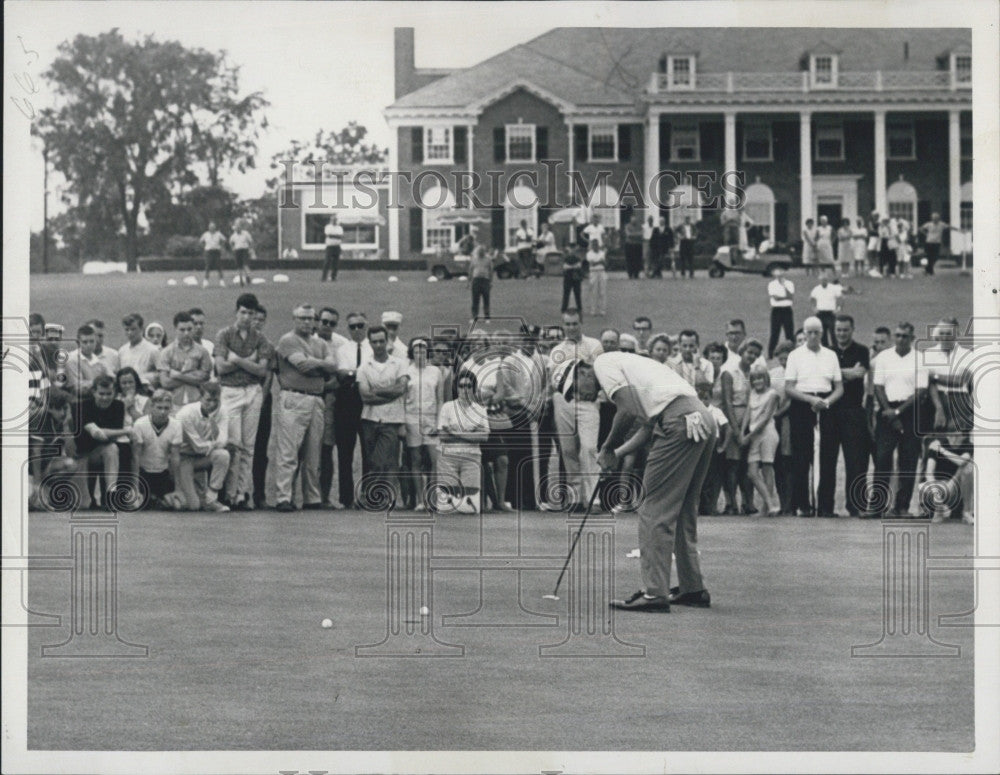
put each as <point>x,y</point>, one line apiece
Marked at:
<point>326,624</point>
<point>425,611</point>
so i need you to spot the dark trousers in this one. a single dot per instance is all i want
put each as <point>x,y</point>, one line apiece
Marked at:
<point>213,260</point>
<point>481,291</point>
<point>520,470</point>
<point>828,319</point>
<point>547,443</point>
<point>933,250</point>
<point>849,432</point>
<point>325,470</point>
<point>687,256</point>
<point>886,259</point>
<point>260,448</point>
<point>907,445</point>
<point>571,285</point>
<point>710,489</point>
<point>158,484</point>
<point>783,481</point>
<point>781,320</point>
<point>331,262</point>
<point>380,440</point>
<point>633,259</point>
<point>347,426</point>
<point>803,426</point>
<point>526,261</point>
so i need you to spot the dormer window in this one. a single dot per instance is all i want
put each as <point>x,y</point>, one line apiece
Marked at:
<point>823,71</point>
<point>680,72</point>
<point>961,70</point>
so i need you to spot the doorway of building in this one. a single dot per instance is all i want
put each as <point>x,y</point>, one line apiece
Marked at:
<point>833,211</point>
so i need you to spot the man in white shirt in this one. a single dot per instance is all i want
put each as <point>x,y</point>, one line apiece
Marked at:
<point>347,409</point>
<point>396,347</point>
<point>524,241</point>
<point>241,242</point>
<point>198,318</point>
<point>138,352</point>
<point>826,304</point>
<point>213,241</point>
<point>736,332</point>
<point>82,365</point>
<point>333,236</point>
<point>688,362</point>
<point>328,319</point>
<point>949,379</point>
<point>156,444</point>
<point>382,383</point>
<point>899,380</point>
<point>205,432</point>
<point>687,233</point>
<point>577,422</point>
<point>680,434</point>
<point>647,235</point>
<point>595,231</point>
<point>106,355</point>
<point>813,382</point>
<point>780,292</point>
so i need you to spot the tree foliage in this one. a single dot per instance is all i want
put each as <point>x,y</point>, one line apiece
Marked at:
<point>136,122</point>
<point>347,147</point>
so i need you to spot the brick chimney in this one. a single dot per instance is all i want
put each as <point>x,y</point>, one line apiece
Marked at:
<point>404,61</point>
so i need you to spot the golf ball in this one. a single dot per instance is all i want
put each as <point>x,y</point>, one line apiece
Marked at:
<point>326,624</point>
<point>425,611</point>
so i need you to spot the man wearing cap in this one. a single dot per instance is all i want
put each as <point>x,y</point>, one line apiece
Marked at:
<point>577,422</point>
<point>298,415</point>
<point>681,434</point>
<point>395,347</point>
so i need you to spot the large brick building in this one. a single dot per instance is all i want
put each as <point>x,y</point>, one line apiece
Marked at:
<point>820,121</point>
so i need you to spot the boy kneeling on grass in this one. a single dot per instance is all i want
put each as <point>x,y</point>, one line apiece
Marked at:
<point>157,441</point>
<point>50,447</point>
<point>949,487</point>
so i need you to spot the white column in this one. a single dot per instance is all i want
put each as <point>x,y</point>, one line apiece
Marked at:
<point>730,144</point>
<point>881,204</point>
<point>393,212</point>
<point>570,150</point>
<point>805,170</point>
<point>468,152</point>
<point>954,172</point>
<point>651,164</point>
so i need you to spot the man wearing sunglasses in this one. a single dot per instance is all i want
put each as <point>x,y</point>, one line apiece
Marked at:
<point>327,322</point>
<point>898,383</point>
<point>348,405</point>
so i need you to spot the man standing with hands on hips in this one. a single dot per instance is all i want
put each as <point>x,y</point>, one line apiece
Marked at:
<point>681,434</point>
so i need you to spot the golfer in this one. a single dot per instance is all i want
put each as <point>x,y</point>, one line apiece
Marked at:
<point>681,434</point>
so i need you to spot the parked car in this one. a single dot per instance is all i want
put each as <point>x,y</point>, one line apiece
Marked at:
<point>732,259</point>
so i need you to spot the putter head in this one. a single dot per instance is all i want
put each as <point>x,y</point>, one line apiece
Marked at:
<point>550,597</point>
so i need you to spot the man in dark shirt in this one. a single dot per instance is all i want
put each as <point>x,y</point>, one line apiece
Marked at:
<point>99,421</point>
<point>850,429</point>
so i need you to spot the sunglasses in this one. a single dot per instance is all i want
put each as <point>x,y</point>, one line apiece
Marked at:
<point>356,326</point>
<point>330,323</point>
<point>392,325</point>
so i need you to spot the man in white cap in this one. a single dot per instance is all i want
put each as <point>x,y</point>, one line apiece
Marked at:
<point>392,321</point>
<point>681,434</point>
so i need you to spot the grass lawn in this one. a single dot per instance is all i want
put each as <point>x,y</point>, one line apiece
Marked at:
<point>230,608</point>
<point>230,605</point>
<point>702,304</point>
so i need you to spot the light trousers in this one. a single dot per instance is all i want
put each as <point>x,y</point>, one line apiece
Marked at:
<point>215,462</point>
<point>577,426</point>
<point>298,432</point>
<point>242,406</point>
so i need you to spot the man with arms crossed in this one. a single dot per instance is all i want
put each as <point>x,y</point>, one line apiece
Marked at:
<point>681,434</point>
<point>242,360</point>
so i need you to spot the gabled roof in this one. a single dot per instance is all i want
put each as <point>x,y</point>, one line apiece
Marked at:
<point>611,66</point>
<point>521,64</point>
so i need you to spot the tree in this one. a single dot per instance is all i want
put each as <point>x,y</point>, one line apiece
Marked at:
<point>344,148</point>
<point>135,121</point>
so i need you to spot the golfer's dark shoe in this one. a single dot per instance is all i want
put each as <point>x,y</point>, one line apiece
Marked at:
<point>639,602</point>
<point>284,506</point>
<point>312,506</point>
<point>699,599</point>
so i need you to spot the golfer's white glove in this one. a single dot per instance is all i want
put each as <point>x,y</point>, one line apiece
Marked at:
<point>696,430</point>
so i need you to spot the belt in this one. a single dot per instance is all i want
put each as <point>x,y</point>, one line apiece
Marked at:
<point>816,393</point>
<point>302,392</point>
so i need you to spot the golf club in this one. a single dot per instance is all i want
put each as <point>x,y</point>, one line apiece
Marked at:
<point>576,538</point>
